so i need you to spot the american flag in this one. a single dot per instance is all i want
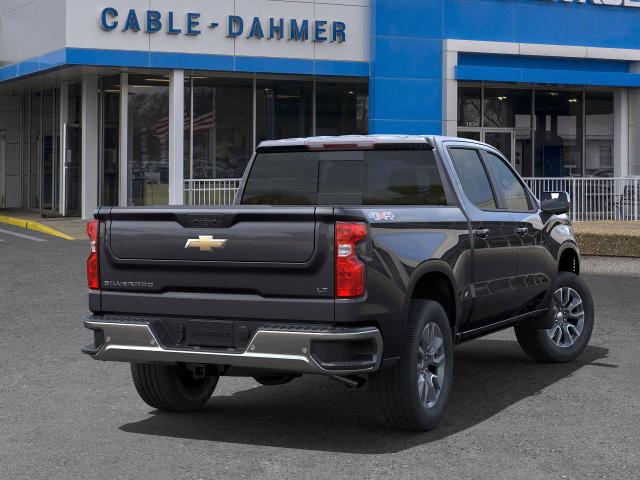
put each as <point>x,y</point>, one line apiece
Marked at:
<point>203,122</point>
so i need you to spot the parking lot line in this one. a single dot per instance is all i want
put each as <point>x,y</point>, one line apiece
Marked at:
<point>22,235</point>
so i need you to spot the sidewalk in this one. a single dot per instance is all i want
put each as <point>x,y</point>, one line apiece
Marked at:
<point>615,239</point>
<point>63,227</point>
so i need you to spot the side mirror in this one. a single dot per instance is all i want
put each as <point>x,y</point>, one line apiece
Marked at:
<point>555,203</point>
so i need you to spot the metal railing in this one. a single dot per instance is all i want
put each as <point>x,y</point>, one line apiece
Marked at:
<point>213,191</point>
<point>594,198</point>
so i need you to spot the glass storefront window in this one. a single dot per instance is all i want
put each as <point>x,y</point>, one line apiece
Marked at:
<point>222,127</point>
<point>558,136</point>
<point>148,140</point>
<point>187,165</point>
<point>31,189</point>
<point>341,108</point>
<point>73,155</point>
<point>507,107</point>
<point>570,133</point>
<point>75,104</point>
<point>469,106</point>
<point>110,90</point>
<point>599,134</point>
<point>470,135</point>
<point>521,159</point>
<point>48,186</point>
<point>283,109</point>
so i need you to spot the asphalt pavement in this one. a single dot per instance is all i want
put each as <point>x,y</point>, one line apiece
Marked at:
<point>65,416</point>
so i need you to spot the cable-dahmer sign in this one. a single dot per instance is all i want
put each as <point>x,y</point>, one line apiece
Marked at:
<point>192,23</point>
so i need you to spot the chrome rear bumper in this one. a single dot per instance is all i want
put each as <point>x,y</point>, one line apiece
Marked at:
<point>270,348</point>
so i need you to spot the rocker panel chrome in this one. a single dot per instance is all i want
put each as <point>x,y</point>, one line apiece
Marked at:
<point>269,349</point>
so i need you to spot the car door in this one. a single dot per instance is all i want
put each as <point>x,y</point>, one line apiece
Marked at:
<point>535,266</point>
<point>493,236</point>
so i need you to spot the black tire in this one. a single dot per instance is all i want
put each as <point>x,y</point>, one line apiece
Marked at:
<point>539,344</point>
<point>396,388</point>
<point>271,380</point>
<point>171,388</point>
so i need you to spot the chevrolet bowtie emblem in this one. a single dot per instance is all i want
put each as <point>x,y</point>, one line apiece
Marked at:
<point>206,243</point>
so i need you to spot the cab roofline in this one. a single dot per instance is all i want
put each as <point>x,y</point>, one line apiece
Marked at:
<point>347,142</point>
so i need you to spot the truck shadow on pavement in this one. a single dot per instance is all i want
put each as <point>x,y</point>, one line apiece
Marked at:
<point>315,413</point>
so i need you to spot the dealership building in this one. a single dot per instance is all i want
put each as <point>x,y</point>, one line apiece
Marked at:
<point>151,102</point>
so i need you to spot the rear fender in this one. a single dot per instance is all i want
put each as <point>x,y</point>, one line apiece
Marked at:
<point>431,266</point>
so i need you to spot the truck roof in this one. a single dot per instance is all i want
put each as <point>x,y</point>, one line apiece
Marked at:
<point>359,140</point>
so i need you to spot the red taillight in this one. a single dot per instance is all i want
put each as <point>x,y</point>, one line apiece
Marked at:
<point>349,268</point>
<point>93,265</point>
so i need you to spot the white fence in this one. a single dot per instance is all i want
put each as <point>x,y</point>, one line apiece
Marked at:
<point>593,198</point>
<point>216,191</point>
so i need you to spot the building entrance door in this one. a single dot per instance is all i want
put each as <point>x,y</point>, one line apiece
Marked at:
<point>73,170</point>
<point>515,144</point>
<point>3,154</point>
<point>502,140</point>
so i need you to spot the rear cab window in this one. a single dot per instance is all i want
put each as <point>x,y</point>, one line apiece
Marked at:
<point>356,177</point>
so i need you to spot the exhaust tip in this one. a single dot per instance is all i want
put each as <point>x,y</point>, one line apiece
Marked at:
<point>350,381</point>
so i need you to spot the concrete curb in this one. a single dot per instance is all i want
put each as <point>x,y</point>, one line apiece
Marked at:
<point>35,226</point>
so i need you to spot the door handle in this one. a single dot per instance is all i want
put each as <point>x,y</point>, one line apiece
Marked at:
<point>522,231</point>
<point>482,232</point>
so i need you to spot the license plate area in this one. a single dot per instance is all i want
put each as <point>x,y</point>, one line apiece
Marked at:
<point>211,333</point>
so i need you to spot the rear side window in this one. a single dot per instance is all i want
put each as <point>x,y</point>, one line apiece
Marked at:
<point>473,177</point>
<point>513,191</point>
<point>405,177</point>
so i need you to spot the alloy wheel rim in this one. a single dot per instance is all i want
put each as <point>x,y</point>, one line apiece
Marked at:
<point>431,365</point>
<point>568,312</point>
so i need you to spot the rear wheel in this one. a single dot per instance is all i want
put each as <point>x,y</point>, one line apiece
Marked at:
<point>573,318</point>
<point>172,387</point>
<point>413,394</point>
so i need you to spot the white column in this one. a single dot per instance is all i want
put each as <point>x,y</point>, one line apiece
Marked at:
<point>64,119</point>
<point>176,138</point>
<point>620,133</point>
<point>449,91</point>
<point>89,145</point>
<point>123,178</point>
<point>633,138</point>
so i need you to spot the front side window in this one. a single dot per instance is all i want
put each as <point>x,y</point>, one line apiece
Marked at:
<point>513,191</point>
<point>473,177</point>
<point>345,178</point>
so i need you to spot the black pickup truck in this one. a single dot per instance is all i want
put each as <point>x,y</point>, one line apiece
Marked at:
<point>363,258</point>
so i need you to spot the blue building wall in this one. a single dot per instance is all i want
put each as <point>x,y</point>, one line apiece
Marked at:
<point>407,58</point>
<point>405,89</point>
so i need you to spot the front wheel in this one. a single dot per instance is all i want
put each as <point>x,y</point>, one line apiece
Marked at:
<point>573,318</point>
<point>413,394</point>
<point>172,387</point>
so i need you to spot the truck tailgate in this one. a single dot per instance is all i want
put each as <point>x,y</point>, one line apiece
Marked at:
<point>227,261</point>
<point>244,236</point>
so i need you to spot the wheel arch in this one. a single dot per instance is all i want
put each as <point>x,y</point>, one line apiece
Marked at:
<point>569,259</point>
<point>438,274</point>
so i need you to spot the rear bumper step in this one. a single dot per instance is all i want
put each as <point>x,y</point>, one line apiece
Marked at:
<point>331,351</point>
